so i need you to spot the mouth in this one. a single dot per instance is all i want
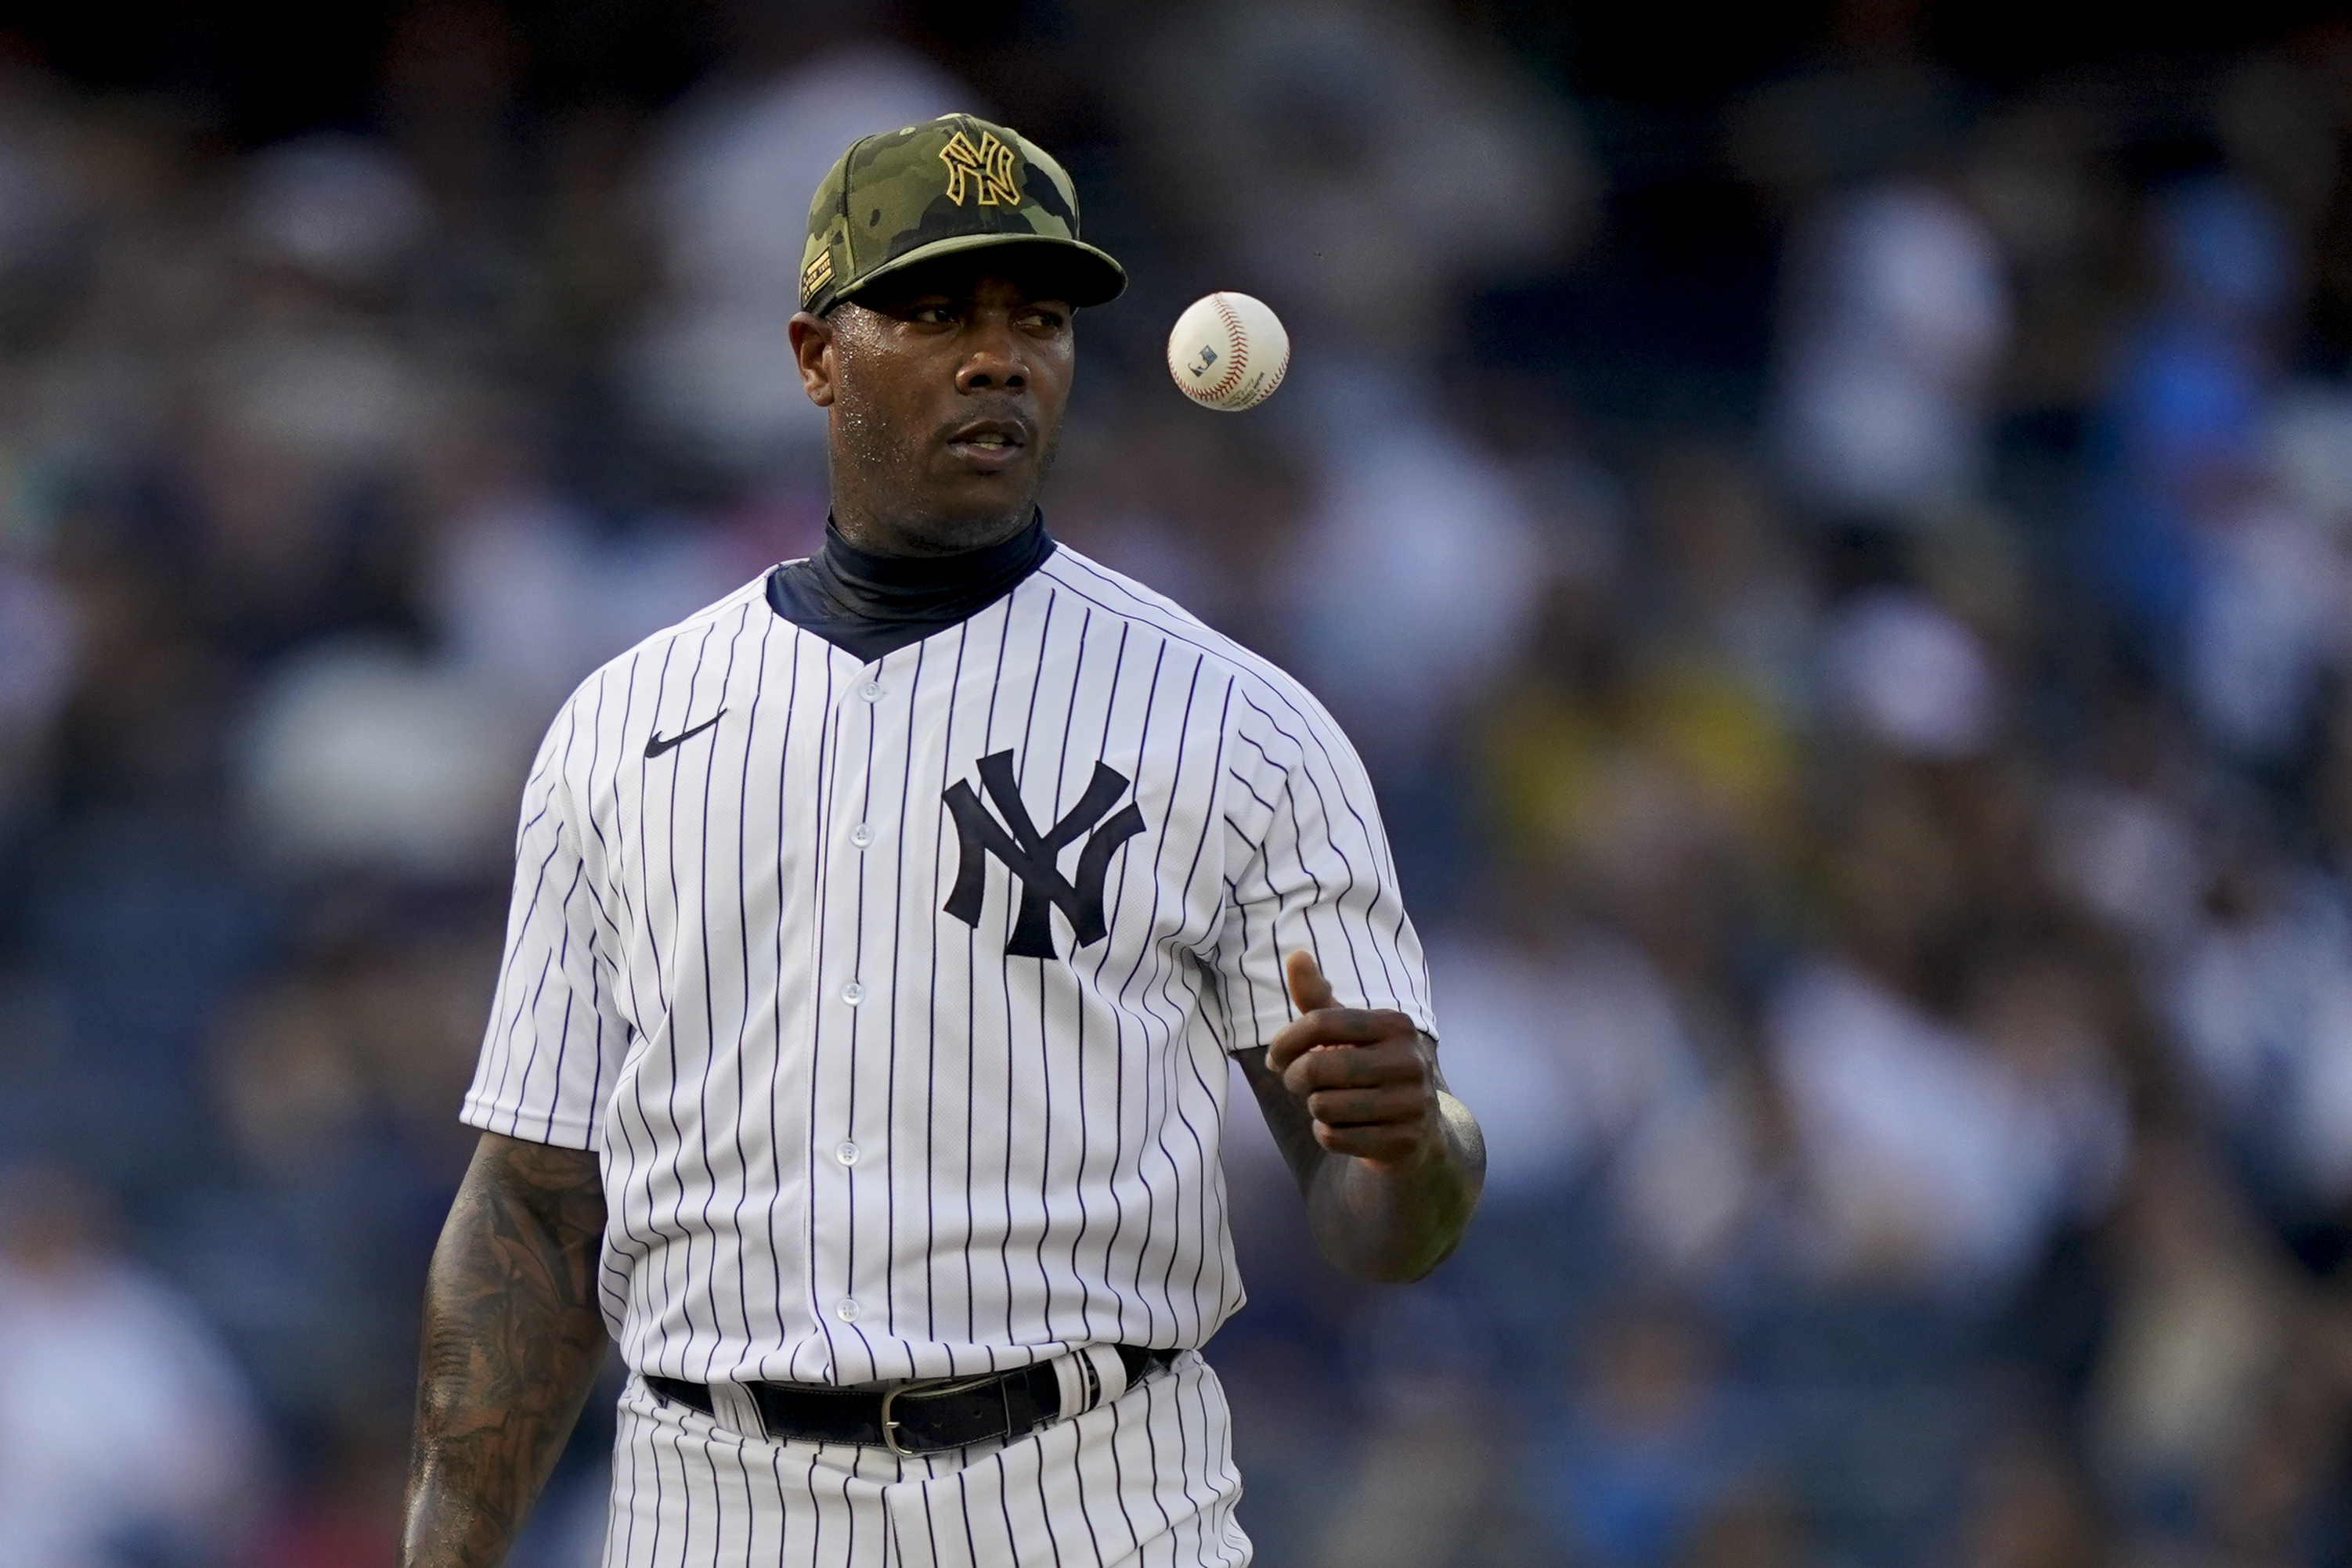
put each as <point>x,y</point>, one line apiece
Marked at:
<point>989,444</point>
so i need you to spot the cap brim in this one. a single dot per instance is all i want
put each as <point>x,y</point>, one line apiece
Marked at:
<point>1073,270</point>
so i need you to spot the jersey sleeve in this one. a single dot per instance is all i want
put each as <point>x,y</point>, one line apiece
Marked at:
<point>1308,867</point>
<point>556,1036</point>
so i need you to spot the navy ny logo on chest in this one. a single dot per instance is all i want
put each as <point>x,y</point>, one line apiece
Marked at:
<point>1033,857</point>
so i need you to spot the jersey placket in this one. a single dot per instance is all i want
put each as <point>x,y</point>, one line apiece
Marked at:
<point>854,967</point>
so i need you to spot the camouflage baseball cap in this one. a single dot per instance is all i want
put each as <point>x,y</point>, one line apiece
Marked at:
<point>949,185</point>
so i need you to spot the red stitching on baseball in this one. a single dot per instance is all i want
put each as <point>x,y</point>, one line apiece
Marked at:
<point>1273,386</point>
<point>1237,347</point>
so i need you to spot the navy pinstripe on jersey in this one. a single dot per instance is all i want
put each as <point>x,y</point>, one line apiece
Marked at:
<point>849,1131</point>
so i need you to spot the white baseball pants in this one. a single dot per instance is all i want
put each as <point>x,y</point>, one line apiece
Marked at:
<point>1145,1481</point>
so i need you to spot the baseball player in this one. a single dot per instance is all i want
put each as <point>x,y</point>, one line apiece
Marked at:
<point>880,936</point>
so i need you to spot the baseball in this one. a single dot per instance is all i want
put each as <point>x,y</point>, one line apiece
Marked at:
<point>1228,351</point>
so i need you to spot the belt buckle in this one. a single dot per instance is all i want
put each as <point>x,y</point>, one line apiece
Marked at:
<point>923,1386</point>
<point>891,1427</point>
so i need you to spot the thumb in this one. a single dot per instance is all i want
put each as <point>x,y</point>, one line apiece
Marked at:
<point>1308,988</point>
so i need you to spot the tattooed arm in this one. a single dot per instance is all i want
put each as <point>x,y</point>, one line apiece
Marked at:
<point>512,1342</point>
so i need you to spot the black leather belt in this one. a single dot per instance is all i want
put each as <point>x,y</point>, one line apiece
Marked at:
<point>922,1417</point>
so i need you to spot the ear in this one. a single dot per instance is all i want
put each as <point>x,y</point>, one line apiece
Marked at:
<point>812,341</point>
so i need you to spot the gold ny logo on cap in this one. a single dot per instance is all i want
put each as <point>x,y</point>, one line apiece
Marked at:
<point>989,166</point>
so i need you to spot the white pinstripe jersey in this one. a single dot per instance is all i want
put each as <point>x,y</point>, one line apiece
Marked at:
<point>895,996</point>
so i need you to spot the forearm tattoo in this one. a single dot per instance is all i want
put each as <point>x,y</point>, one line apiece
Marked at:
<point>512,1342</point>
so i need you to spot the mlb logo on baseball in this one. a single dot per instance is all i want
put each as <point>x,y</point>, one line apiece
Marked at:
<point>1228,353</point>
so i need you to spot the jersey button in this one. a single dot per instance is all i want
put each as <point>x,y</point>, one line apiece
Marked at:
<point>846,1154</point>
<point>871,691</point>
<point>847,1311</point>
<point>853,993</point>
<point>861,835</point>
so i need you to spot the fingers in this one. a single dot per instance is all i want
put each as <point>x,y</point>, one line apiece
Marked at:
<point>1350,1066</point>
<point>1392,1144</point>
<point>1308,988</point>
<point>1389,1105</point>
<point>1359,1087</point>
<point>1336,1026</point>
<point>1357,1070</point>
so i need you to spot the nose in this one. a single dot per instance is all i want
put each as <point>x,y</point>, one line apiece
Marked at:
<point>994,362</point>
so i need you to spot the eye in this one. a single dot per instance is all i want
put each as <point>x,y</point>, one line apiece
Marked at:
<point>1039,319</point>
<point>932,314</point>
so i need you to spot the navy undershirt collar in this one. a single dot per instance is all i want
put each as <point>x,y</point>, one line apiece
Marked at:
<point>871,605</point>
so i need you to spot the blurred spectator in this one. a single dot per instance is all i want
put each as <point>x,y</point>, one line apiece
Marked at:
<point>1366,166</point>
<point>1930,1158</point>
<point>1418,573</point>
<point>2266,625</point>
<point>2202,1326</point>
<point>1895,317</point>
<point>39,637</point>
<point>337,207</point>
<point>2190,386</point>
<point>1918,681</point>
<point>523,588</point>
<point>2310,453</point>
<point>364,757</point>
<point>1649,1446</point>
<point>1424,1484</point>
<point>125,1434</point>
<point>1732,589</point>
<point>2127,858</point>
<point>2261,1002</point>
<point>726,192</point>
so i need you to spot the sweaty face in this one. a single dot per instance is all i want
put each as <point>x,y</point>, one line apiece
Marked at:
<point>946,393</point>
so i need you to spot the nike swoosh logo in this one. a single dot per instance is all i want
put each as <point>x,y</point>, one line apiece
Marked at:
<point>656,745</point>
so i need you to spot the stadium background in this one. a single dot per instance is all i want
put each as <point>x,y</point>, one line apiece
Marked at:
<point>1829,522</point>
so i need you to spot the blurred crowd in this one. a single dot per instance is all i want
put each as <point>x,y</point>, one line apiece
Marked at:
<point>1861,687</point>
